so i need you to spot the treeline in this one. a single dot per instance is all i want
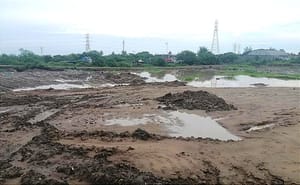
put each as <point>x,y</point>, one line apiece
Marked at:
<point>96,58</point>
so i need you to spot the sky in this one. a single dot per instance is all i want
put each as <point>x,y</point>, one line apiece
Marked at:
<point>59,25</point>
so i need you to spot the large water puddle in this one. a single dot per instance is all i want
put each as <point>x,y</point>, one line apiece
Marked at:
<point>210,80</point>
<point>63,86</point>
<point>187,125</point>
<point>180,124</point>
<point>67,86</point>
<point>150,78</point>
<point>244,81</point>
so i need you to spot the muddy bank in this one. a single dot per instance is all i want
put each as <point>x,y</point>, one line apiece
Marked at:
<point>60,137</point>
<point>195,100</point>
<point>10,80</point>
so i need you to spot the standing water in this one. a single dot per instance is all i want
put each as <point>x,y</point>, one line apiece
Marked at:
<point>188,125</point>
<point>179,124</point>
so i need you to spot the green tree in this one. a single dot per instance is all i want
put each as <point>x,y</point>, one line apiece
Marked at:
<point>145,56</point>
<point>206,57</point>
<point>158,61</point>
<point>227,58</point>
<point>247,50</point>
<point>27,56</point>
<point>188,57</point>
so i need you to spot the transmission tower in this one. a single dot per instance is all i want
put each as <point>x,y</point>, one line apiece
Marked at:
<point>87,42</point>
<point>215,42</point>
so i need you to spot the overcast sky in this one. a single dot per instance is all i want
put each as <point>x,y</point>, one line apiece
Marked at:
<point>59,25</point>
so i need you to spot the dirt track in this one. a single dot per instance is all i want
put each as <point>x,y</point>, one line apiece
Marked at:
<point>59,137</point>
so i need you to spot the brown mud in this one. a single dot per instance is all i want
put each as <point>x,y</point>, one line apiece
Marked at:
<point>191,100</point>
<point>59,137</point>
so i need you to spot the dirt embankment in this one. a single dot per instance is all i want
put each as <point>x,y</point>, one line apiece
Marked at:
<point>31,78</point>
<point>191,100</point>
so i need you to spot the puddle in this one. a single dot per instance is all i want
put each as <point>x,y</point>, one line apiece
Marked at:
<point>260,127</point>
<point>66,86</point>
<point>151,78</point>
<point>42,116</point>
<point>127,121</point>
<point>188,125</point>
<point>63,86</point>
<point>203,79</point>
<point>4,111</point>
<point>180,124</point>
<point>111,85</point>
<point>244,81</point>
<point>64,81</point>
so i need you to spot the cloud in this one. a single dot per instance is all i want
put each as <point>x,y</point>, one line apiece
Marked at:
<point>187,20</point>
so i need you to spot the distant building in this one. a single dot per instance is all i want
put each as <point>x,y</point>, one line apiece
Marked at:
<point>169,58</point>
<point>138,62</point>
<point>269,54</point>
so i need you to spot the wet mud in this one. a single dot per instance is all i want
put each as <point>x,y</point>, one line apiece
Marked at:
<point>46,151</point>
<point>195,100</point>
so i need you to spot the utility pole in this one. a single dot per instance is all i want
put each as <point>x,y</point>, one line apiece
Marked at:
<point>87,42</point>
<point>215,42</point>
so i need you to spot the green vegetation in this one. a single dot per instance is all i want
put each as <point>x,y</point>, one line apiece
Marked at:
<point>237,64</point>
<point>251,70</point>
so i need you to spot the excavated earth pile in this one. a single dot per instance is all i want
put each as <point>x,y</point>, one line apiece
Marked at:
<point>195,100</point>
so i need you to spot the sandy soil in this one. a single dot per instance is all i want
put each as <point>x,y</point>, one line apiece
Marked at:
<point>60,137</point>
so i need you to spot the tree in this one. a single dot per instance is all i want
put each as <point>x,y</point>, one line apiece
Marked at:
<point>247,50</point>
<point>227,58</point>
<point>145,56</point>
<point>206,57</point>
<point>27,56</point>
<point>188,57</point>
<point>158,61</point>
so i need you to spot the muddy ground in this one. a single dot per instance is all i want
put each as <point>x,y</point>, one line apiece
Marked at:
<point>11,79</point>
<point>60,137</point>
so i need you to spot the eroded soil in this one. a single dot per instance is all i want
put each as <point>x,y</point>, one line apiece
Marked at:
<point>60,137</point>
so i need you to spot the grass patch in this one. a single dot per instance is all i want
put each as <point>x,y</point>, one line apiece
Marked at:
<point>252,71</point>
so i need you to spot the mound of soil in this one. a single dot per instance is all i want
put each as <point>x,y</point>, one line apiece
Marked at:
<point>141,134</point>
<point>124,78</point>
<point>195,100</point>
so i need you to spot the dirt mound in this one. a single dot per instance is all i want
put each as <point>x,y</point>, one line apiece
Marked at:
<point>123,78</point>
<point>195,100</point>
<point>141,134</point>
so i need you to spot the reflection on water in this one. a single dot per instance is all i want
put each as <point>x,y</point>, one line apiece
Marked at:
<point>66,86</point>
<point>210,79</point>
<point>63,86</point>
<point>127,121</point>
<point>244,81</point>
<point>260,127</point>
<point>188,125</point>
<point>151,78</point>
<point>179,124</point>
